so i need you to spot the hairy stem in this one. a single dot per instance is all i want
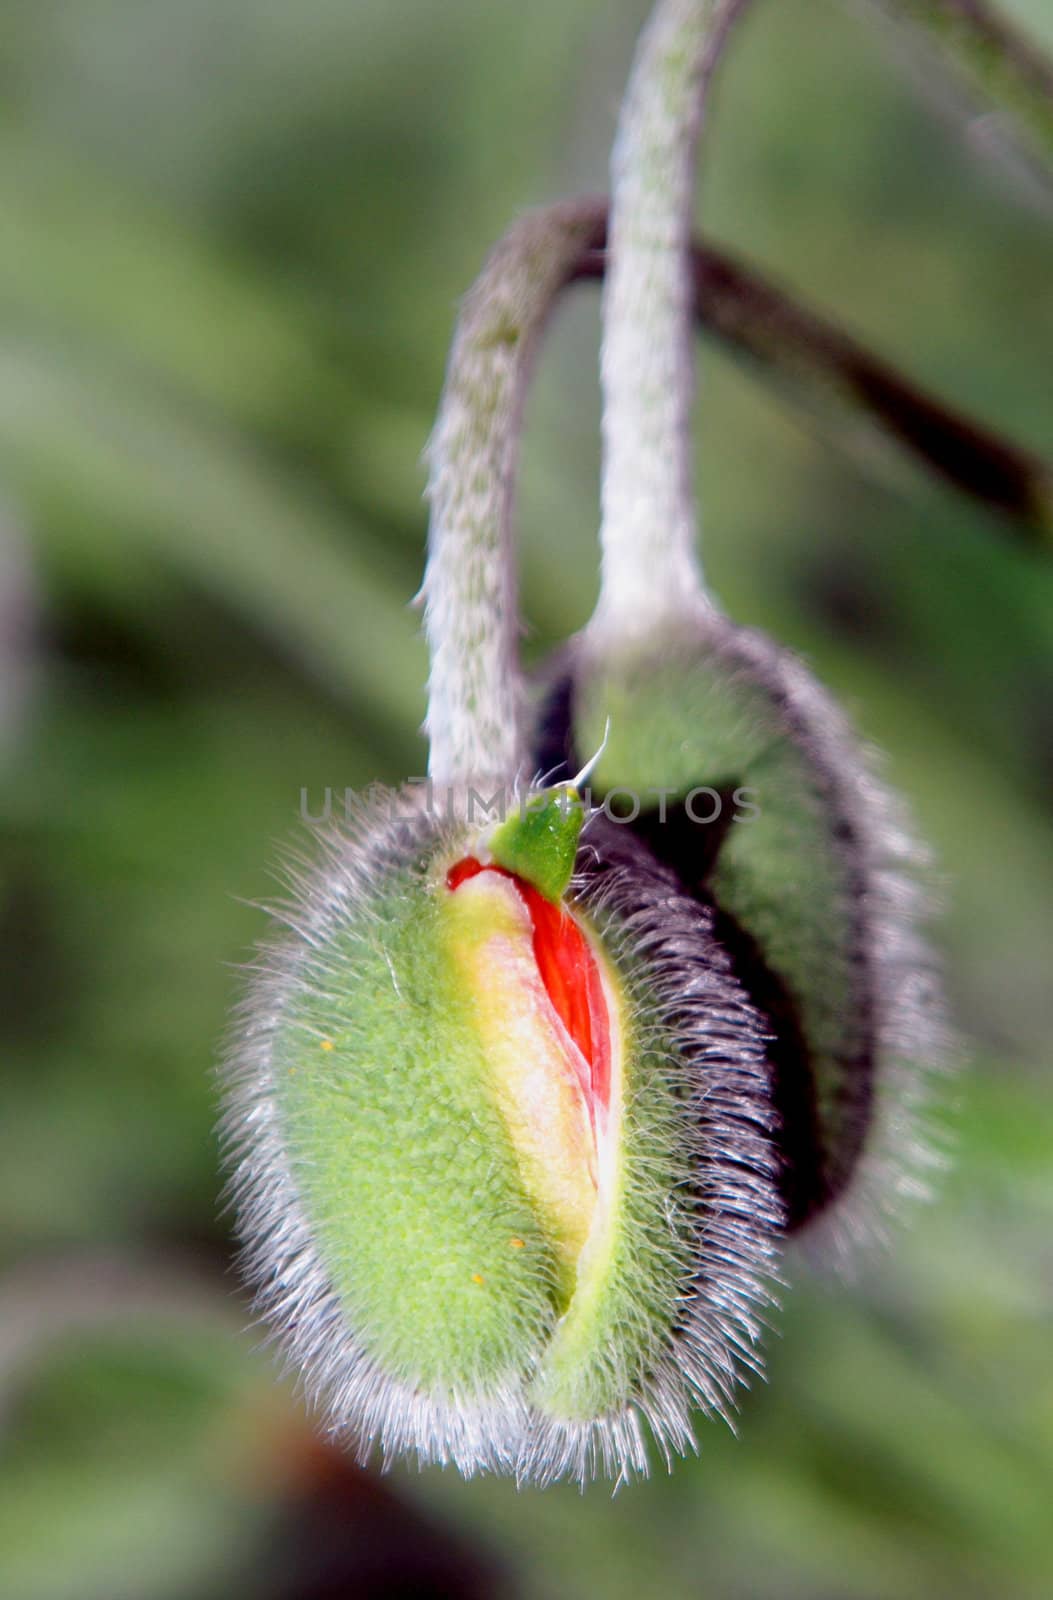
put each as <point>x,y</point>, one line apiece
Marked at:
<point>650,567</point>
<point>475,688</point>
<point>476,693</point>
<point>994,56</point>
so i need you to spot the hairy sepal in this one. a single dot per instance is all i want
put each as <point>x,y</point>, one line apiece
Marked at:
<point>398,1246</point>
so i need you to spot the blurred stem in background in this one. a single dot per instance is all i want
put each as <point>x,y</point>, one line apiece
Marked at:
<point>994,57</point>
<point>835,377</point>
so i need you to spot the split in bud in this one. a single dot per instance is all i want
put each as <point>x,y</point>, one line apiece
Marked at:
<point>547,1019</point>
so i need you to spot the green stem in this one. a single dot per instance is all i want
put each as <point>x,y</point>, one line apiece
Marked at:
<point>650,569</point>
<point>476,690</point>
<point>476,697</point>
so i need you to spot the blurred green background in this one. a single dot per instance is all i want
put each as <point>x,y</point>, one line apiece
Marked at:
<point>232,238</point>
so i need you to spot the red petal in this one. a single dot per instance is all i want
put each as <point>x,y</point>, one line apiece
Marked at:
<point>568,970</point>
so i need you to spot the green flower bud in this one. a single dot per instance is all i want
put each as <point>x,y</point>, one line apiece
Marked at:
<point>502,1157</point>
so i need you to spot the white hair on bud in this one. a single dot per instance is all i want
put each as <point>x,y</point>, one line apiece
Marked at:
<point>674,971</point>
<point>729,1171</point>
<point>293,1289</point>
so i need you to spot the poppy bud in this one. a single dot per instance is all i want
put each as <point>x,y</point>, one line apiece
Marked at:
<point>768,810</point>
<point>502,1152</point>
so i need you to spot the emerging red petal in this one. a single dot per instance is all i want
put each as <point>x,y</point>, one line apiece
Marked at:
<point>569,972</point>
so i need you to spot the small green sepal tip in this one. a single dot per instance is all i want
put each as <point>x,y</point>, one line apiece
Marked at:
<point>539,843</point>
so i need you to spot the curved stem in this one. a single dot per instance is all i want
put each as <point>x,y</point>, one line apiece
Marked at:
<point>995,56</point>
<point>475,688</point>
<point>650,569</point>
